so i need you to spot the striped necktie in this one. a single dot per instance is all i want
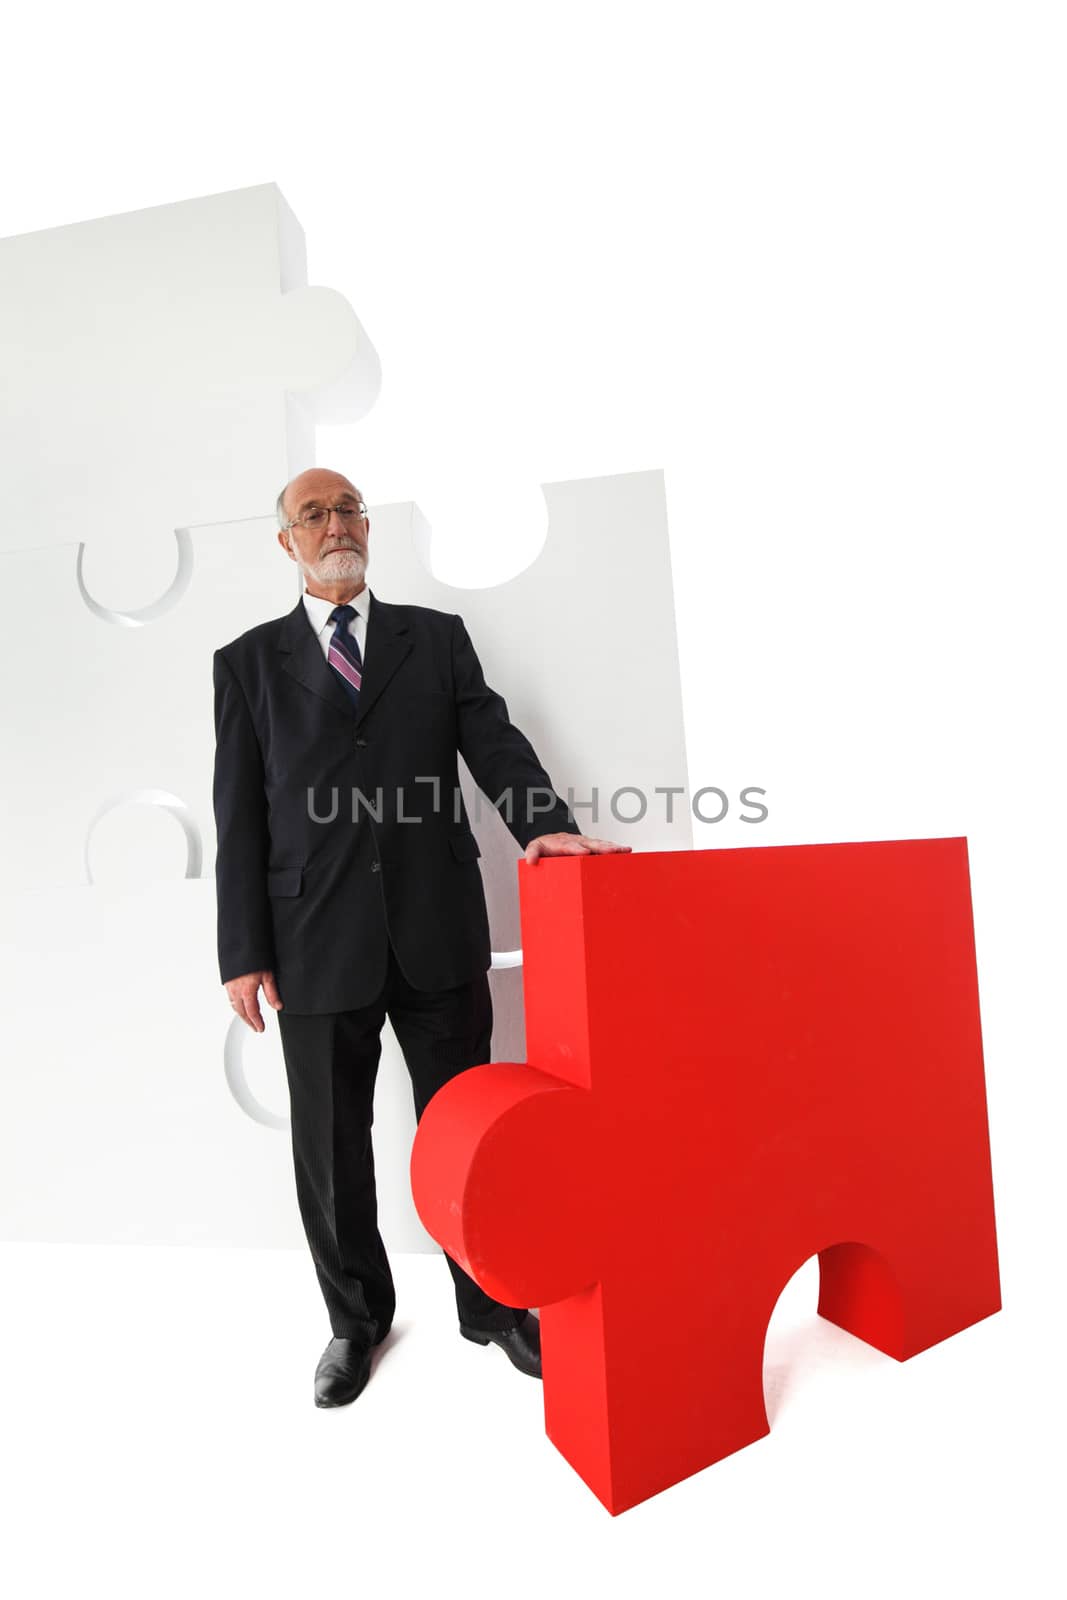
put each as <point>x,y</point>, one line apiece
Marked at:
<point>343,655</point>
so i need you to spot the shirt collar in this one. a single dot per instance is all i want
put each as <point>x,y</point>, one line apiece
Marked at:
<point>319,610</point>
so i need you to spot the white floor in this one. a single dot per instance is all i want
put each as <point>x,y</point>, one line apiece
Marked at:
<point>159,1439</point>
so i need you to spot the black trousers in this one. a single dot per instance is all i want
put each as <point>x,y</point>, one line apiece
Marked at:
<point>331,1062</point>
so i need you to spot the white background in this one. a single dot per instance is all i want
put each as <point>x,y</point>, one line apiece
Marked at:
<point>808,259</point>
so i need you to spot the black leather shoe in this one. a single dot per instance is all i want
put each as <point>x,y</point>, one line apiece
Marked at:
<point>342,1372</point>
<point>521,1345</point>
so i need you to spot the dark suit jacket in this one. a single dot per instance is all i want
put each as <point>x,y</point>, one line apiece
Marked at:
<point>302,888</point>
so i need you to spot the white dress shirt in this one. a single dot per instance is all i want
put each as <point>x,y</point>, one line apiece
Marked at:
<point>319,610</point>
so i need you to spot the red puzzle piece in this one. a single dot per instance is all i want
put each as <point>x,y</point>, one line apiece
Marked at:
<point>738,1059</point>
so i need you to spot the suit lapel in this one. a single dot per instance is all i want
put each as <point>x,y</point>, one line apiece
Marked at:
<point>305,661</point>
<point>388,642</point>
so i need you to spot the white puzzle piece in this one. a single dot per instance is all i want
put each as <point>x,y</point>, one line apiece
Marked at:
<point>142,561</point>
<point>165,370</point>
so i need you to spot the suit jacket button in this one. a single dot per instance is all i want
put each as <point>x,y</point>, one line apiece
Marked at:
<point>376,866</point>
<point>360,742</point>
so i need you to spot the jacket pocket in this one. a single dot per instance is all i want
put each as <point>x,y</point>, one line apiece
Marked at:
<point>286,881</point>
<point>465,846</point>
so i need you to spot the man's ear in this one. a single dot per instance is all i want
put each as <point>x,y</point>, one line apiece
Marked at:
<point>286,543</point>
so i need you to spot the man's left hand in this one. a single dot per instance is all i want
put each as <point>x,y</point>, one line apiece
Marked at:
<point>570,844</point>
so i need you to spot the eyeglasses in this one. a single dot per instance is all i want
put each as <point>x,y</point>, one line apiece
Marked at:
<point>319,516</point>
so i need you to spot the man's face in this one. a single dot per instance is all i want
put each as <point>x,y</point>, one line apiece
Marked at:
<point>336,551</point>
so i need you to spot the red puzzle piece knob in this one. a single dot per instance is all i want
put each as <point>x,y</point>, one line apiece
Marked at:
<point>521,1238</point>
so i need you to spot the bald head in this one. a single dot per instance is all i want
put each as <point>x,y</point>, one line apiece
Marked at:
<point>318,486</point>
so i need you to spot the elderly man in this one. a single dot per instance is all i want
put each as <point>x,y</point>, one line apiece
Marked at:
<point>349,888</point>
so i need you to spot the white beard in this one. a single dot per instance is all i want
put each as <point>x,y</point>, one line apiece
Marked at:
<point>338,566</point>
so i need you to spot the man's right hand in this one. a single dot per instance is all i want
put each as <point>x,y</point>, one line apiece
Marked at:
<point>244,996</point>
